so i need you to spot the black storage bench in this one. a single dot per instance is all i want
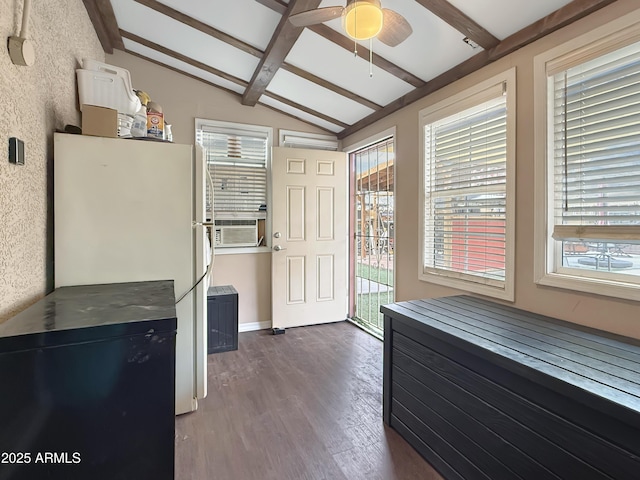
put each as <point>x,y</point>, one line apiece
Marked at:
<point>222,319</point>
<point>486,391</point>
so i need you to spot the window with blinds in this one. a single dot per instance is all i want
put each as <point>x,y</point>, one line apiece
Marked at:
<point>466,194</point>
<point>467,230</point>
<point>595,164</point>
<point>237,161</point>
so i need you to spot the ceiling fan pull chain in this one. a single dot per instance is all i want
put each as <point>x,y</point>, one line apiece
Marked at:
<point>355,29</point>
<point>371,57</point>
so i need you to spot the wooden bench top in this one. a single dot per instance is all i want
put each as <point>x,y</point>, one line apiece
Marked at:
<point>593,363</point>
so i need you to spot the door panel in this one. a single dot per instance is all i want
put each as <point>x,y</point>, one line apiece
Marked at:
<point>296,166</point>
<point>309,259</point>
<point>295,213</point>
<point>326,276</point>
<point>325,167</point>
<point>295,280</point>
<point>325,214</point>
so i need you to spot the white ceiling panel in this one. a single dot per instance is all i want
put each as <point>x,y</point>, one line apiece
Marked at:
<point>420,54</point>
<point>246,20</point>
<point>317,98</point>
<point>172,62</point>
<point>505,17</point>
<point>160,29</point>
<point>434,48</point>
<point>341,67</point>
<point>300,114</point>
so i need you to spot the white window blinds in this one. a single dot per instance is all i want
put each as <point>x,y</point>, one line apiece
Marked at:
<point>237,162</point>
<point>465,192</point>
<point>596,150</point>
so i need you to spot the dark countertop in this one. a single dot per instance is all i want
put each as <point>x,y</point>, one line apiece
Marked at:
<point>88,312</point>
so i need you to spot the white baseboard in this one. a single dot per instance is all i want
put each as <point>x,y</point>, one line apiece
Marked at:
<point>250,327</point>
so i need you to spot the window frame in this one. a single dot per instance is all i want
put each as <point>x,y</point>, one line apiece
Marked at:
<point>600,41</point>
<point>464,100</point>
<point>314,141</point>
<point>258,129</point>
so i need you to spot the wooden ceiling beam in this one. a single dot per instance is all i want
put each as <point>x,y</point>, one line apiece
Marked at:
<point>98,25</point>
<point>181,72</point>
<point>461,22</point>
<point>251,50</point>
<point>195,77</point>
<point>110,23</point>
<point>563,16</point>
<point>305,109</point>
<point>201,27</point>
<point>347,43</point>
<point>554,21</point>
<point>279,47</point>
<point>331,86</point>
<point>226,76</point>
<point>183,58</point>
<point>275,5</point>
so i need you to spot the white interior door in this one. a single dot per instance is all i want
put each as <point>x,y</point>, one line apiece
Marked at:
<point>309,226</point>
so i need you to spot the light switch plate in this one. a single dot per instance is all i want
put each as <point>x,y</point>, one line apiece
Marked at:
<point>16,151</point>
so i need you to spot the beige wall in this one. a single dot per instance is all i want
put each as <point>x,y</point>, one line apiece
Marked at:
<point>184,99</point>
<point>592,310</point>
<point>34,101</point>
<point>251,276</point>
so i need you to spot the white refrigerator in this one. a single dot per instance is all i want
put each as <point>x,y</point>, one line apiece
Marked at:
<point>132,210</point>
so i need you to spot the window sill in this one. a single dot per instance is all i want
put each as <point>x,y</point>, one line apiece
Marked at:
<point>502,292</point>
<point>241,250</point>
<point>607,288</point>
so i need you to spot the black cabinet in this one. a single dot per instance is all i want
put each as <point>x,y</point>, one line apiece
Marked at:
<point>88,385</point>
<point>222,319</point>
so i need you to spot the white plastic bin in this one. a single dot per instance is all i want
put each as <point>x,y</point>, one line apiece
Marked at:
<point>106,90</point>
<point>96,66</point>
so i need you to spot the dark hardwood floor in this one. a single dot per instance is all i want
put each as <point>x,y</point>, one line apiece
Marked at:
<point>304,405</point>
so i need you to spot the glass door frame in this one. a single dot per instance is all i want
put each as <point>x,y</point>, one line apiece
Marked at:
<point>388,135</point>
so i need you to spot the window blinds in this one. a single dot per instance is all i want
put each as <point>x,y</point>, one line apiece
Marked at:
<point>237,161</point>
<point>465,183</point>
<point>596,149</point>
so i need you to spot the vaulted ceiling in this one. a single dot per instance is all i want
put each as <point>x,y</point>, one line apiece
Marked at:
<point>250,48</point>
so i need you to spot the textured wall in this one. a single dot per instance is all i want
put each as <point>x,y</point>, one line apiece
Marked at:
<point>33,102</point>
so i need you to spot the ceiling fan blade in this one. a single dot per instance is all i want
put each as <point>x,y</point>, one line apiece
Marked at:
<point>395,28</point>
<point>318,15</point>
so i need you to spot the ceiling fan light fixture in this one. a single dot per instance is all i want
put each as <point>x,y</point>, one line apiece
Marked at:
<point>362,19</point>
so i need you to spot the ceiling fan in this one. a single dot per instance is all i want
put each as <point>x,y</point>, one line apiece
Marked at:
<point>361,20</point>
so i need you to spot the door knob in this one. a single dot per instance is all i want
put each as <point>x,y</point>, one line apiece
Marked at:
<point>277,248</point>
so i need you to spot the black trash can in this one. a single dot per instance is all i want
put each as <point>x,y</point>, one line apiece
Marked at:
<point>222,319</point>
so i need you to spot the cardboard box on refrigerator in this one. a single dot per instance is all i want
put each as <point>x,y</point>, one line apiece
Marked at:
<point>99,121</point>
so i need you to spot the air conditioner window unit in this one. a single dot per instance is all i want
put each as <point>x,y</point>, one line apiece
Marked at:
<point>236,233</point>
